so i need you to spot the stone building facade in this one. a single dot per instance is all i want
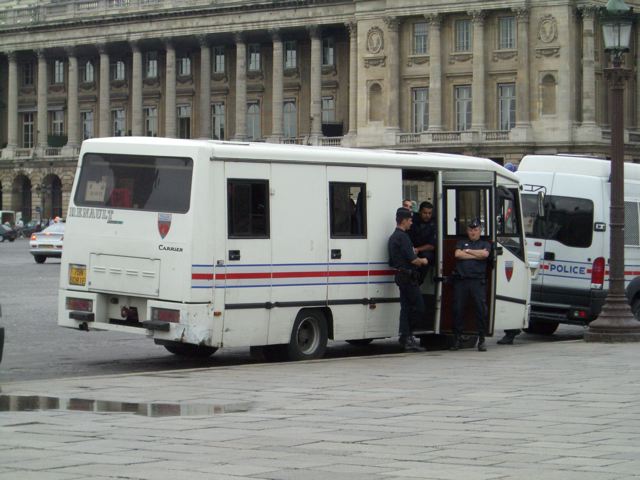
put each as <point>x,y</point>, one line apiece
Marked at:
<point>498,79</point>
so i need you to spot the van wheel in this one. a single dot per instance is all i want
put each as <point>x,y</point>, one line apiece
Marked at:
<point>635,308</point>
<point>308,337</point>
<point>360,342</point>
<point>541,328</point>
<point>190,350</point>
<point>40,258</point>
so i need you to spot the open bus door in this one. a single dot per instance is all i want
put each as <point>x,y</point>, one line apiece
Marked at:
<point>465,196</point>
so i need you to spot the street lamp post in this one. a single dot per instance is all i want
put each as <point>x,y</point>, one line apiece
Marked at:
<point>616,322</point>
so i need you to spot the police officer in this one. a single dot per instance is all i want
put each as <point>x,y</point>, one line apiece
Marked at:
<point>423,232</point>
<point>403,258</point>
<point>470,282</point>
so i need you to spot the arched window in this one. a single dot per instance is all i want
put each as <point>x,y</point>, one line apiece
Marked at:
<point>21,196</point>
<point>253,121</point>
<point>290,119</point>
<point>375,103</point>
<point>548,95</point>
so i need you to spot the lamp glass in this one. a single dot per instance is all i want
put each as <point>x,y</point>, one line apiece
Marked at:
<point>617,34</point>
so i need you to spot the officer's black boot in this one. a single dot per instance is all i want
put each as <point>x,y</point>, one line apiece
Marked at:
<point>482,347</point>
<point>457,344</point>
<point>506,340</point>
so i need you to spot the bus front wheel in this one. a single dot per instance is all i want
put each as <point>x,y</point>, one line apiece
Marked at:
<point>308,337</point>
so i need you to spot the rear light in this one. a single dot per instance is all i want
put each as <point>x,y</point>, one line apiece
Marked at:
<point>165,315</point>
<point>79,304</point>
<point>597,273</point>
<point>579,314</point>
<point>33,236</point>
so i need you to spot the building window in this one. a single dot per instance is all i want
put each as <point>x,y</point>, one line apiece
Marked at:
<point>506,33</point>
<point>87,72</point>
<point>463,35</point>
<point>420,109</point>
<point>58,72</point>
<point>218,60</point>
<point>328,49</point>
<point>217,121</point>
<point>87,124</point>
<point>27,130</point>
<point>118,70</point>
<point>28,74</point>
<point>506,106</point>
<point>248,208</point>
<point>463,107</point>
<point>151,121</point>
<point>290,119</point>
<point>184,66</point>
<point>290,54</point>
<point>253,121</point>
<point>57,123</point>
<point>117,122</point>
<point>328,109</point>
<point>420,38</point>
<point>151,65</point>
<point>254,57</point>
<point>347,209</point>
<point>184,121</point>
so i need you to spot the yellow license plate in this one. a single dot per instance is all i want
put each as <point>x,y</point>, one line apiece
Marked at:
<point>77,275</point>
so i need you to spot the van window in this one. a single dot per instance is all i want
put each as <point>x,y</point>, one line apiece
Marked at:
<point>135,182</point>
<point>631,224</point>
<point>567,220</point>
<point>347,210</point>
<point>248,208</point>
<point>464,204</point>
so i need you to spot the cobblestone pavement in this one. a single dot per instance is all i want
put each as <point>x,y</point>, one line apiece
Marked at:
<point>562,410</point>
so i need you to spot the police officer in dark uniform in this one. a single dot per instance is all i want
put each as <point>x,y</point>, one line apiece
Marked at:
<point>470,278</point>
<point>423,233</point>
<point>403,258</point>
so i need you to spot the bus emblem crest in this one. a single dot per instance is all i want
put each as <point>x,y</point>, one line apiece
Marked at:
<point>508,269</point>
<point>164,224</point>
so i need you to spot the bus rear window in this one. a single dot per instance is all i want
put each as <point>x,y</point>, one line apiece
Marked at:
<point>135,182</point>
<point>566,219</point>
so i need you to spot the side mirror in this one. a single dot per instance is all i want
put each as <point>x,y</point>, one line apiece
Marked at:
<point>540,204</point>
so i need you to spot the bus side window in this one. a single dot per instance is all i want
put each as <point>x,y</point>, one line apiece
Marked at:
<point>248,208</point>
<point>347,208</point>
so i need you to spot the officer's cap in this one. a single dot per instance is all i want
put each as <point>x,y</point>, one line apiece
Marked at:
<point>403,213</point>
<point>474,223</point>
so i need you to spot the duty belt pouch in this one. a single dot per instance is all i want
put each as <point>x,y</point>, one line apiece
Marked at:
<point>406,277</point>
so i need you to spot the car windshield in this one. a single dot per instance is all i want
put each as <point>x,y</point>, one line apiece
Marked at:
<point>55,228</point>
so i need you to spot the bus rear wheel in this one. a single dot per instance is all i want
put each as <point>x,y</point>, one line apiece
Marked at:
<point>189,350</point>
<point>308,337</point>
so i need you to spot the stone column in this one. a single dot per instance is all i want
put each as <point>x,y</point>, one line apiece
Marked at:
<point>478,82</point>
<point>278,88</point>
<point>523,117</point>
<point>588,66</point>
<point>104,129</point>
<point>316,83</point>
<point>205,87</point>
<point>43,110</point>
<point>352,26</point>
<point>241,88</point>
<point>73,111</point>
<point>12,107</point>
<point>137,127</point>
<point>170,92</point>
<point>393,79</point>
<point>435,73</point>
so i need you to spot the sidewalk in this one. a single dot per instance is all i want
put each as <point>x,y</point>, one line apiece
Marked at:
<point>566,410</point>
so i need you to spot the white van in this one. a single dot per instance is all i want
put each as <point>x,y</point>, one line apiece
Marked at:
<point>571,240</point>
<point>203,244</point>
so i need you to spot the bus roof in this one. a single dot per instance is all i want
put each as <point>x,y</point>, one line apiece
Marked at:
<point>273,152</point>
<point>586,166</point>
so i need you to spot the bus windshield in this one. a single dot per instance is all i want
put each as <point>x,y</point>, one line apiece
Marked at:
<point>135,182</point>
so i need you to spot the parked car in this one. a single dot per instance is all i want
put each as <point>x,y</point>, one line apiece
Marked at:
<point>47,243</point>
<point>7,233</point>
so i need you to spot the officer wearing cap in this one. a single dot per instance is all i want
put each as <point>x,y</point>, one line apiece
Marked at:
<point>470,276</point>
<point>403,259</point>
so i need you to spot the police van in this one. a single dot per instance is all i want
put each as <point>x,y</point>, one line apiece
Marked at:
<point>570,239</point>
<point>205,244</point>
